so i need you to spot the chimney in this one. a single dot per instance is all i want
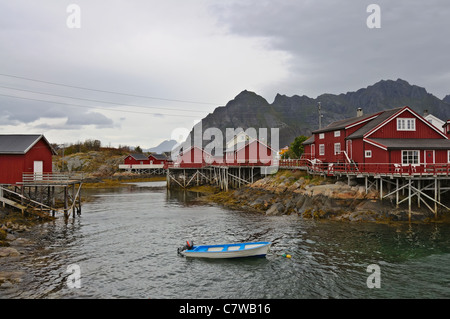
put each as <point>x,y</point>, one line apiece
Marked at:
<point>425,113</point>
<point>359,112</point>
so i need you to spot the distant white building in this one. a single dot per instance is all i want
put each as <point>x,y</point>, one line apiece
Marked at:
<point>239,139</point>
<point>435,121</point>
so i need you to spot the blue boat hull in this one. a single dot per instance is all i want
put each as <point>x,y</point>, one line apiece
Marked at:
<point>237,250</point>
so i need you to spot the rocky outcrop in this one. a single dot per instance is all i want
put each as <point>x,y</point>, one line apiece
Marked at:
<point>8,252</point>
<point>289,193</point>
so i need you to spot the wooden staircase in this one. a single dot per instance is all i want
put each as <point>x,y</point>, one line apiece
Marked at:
<point>24,204</point>
<point>6,201</point>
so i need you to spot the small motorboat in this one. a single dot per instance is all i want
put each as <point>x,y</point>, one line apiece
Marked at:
<point>249,249</point>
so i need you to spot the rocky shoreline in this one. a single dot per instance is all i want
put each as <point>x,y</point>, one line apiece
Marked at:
<point>13,239</point>
<point>287,193</point>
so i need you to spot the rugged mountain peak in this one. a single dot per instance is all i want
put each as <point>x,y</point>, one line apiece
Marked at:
<point>447,99</point>
<point>298,115</point>
<point>247,98</point>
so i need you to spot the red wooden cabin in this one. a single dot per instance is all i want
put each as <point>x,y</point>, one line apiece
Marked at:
<point>157,159</point>
<point>250,153</point>
<point>391,141</point>
<point>193,157</point>
<point>136,159</point>
<point>24,154</point>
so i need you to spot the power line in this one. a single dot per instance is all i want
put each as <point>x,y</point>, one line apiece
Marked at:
<point>93,107</point>
<point>99,101</point>
<point>105,91</point>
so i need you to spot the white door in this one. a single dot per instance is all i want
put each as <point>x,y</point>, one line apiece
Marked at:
<point>38,170</point>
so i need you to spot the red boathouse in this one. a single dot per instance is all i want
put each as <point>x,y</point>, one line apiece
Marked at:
<point>24,154</point>
<point>136,159</point>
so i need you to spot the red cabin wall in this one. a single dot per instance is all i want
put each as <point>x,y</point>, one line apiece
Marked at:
<point>358,150</point>
<point>389,130</point>
<point>328,141</point>
<point>379,156</point>
<point>255,153</point>
<point>442,156</point>
<point>194,157</point>
<point>152,160</point>
<point>13,166</point>
<point>130,160</point>
<point>308,151</point>
<point>39,152</point>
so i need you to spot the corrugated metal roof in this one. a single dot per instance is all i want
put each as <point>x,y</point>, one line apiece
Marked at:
<point>160,157</point>
<point>19,143</point>
<point>344,123</point>
<point>374,123</point>
<point>139,156</point>
<point>310,140</point>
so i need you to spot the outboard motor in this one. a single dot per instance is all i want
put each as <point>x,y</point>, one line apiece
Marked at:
<point>189,245</point>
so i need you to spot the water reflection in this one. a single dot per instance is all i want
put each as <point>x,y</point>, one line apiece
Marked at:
<point>125,242</point>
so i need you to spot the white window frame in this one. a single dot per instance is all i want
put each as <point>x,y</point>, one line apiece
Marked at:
<point>337,148</point>
<point>406,124</point>
<point>322,149</point>
<point>368,154</point>
<point>448,155</point>
<point>337,133</point>
<point>321,136</point>
<point>418,157</point>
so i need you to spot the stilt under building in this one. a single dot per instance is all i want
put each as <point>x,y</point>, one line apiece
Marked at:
<point>44,194</point>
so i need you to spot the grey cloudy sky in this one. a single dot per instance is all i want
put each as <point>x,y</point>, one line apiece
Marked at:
<point>154,66</point>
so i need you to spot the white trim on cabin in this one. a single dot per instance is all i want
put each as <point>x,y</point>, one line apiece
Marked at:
<point>375,144</point>
<point>435,121</point>
<point>395,115</point>
<point>416,154</point>
<point>321,149</point>
<point>406,124</point>
<point>337,148</point>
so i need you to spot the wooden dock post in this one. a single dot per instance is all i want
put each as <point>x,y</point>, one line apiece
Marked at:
<point>435,196</point>
<point>66,202</point>
<point>409,199</point>
<point>396,192</point>
<point>73,201</point>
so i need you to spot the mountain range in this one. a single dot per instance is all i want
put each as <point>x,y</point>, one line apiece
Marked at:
<point>165,146</point>
<point>298,115</point>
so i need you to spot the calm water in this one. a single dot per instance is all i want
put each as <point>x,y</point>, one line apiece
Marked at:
<point>125,245</point>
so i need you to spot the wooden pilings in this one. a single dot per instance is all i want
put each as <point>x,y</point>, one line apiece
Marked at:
<point>42,197</point>
<point>225,177</point>
<point>427,190</point>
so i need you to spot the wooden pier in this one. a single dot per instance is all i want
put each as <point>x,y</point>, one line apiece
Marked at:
<point>150,169</point>
<point>419,184</point>
<point>42,194</point>
<point>225,177</point>
<point>414,185</point>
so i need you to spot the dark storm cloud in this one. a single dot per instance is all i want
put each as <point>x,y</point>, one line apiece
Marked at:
<point>333,49</point>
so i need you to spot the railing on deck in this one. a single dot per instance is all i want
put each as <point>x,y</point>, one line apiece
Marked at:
<point>346,167</point>
<point>439,169</point>
<point>49,177</point>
